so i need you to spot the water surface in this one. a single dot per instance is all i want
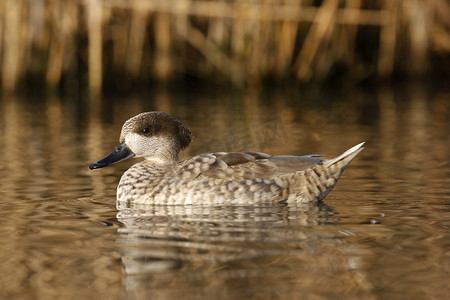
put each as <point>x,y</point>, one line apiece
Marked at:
<point>382,233</point>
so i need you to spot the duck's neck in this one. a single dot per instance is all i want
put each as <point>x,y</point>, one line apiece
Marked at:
<point>161,160</point>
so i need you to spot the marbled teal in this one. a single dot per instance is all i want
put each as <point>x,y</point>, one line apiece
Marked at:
<point>220,178</point>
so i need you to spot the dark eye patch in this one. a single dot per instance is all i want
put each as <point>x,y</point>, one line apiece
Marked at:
<point>148,129</point>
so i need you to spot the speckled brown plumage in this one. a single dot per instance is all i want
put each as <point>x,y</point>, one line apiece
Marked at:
<point>221,178</point>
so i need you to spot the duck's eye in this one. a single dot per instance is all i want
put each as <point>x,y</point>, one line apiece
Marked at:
<point>145,130</point>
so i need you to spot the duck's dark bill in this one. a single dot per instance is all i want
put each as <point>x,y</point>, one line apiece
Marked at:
<point>120,153</point>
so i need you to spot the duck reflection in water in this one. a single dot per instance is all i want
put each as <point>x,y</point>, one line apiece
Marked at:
<point>203,247</point>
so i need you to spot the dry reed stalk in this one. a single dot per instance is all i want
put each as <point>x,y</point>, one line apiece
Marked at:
<point>56,51</point>
<point>441,26</point>
<point>417,19</point>
<point>210,50</point>
<point>347,48</point>
<point>12,47</point>
<point>256,48</point>
<point>386,56</point>
<point>285,47</point>
<point>61,42</point>
<point>137,38</point>
<point>319,31</point>
<point>119,38</point>
<point>162,63</point>
<point>94,23</point>
<point>241,42</point>
<point>2,17</point>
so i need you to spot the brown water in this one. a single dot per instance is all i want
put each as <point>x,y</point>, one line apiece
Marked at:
<point>382,233</point>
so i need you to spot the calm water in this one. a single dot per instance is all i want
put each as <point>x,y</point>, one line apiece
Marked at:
<point>382,233</point>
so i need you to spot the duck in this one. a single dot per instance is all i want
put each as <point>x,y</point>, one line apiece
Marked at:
<point>219,178</point>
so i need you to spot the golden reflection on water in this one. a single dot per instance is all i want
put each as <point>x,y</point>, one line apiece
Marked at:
<point>234,250</point>
<point>382,232</point>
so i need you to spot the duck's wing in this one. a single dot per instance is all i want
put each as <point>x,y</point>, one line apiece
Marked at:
<point>225,166</point>
<point>291,164</point>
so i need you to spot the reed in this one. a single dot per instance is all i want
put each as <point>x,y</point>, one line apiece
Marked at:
<point>93,43</point>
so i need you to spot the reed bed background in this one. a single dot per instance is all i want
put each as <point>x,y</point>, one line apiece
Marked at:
<point>71,44</point>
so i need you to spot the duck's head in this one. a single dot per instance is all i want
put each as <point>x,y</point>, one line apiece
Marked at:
<point>156,136</point>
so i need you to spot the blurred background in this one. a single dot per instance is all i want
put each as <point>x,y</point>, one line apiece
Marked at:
<point>125,45</point>
<point>274,76</point>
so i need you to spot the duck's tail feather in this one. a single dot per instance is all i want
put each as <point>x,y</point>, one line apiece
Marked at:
<point>315,183</point>
<point>347,156</point>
